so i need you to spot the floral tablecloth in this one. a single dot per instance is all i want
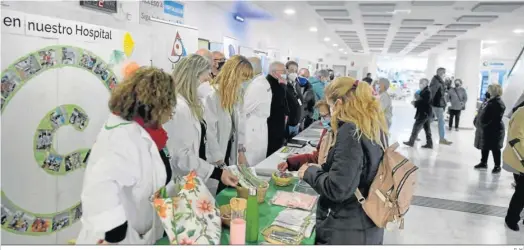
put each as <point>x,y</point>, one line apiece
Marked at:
<point>268,213</point>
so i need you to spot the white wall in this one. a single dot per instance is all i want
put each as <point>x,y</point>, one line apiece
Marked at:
<point>208,17</point>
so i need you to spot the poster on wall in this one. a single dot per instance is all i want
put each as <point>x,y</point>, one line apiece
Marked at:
<point>173,43</point>
<point>64,78</point>
<point>213,46</point>
<point>230,47</point>
<point>166,10</point>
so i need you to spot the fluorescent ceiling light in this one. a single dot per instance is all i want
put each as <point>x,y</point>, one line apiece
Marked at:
<point>327,39</point>
<point>340,49</point>
<point>345,53</point>
<point>335,45</point>
<point>518,31</point>
<point>313,29</point>
<point>289,11</point>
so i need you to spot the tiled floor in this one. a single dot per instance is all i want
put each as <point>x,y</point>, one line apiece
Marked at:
<point>446,172</point>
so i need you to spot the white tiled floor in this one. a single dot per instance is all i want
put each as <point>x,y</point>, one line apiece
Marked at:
<point>446,172</point>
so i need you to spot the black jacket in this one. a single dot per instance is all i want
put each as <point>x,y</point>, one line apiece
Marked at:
<point>276,122</point>
<point>293,102</point>
<point>351,164</point>
<point>367,79</point>
<point>438,92</point>
<point>490,131</point>
<point>308,102</point>
<point>423,104</point>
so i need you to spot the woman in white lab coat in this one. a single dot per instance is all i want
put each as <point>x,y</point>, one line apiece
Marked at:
<point>125,167</point>
<point>225,128</point>
<point>187,128</point>
<point>256,110</point>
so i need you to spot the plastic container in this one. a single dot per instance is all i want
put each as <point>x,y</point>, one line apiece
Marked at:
<point>237,234</point>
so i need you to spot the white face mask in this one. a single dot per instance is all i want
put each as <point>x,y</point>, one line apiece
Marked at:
<point>283,76</point>
<point>293,76</point>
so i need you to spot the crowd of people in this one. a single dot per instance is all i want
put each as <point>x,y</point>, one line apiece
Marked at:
<point>210,113</point>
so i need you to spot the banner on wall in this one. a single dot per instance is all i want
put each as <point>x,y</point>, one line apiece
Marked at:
<point>166,10</point>
<point>230,47</point>
<point>171,43</point>
<point>55,68</point>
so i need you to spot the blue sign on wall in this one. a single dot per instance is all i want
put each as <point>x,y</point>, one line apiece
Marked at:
<point>173,8</point>
<point>484,85</point>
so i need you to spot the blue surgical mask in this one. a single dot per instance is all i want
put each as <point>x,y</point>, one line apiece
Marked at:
<point>302,81</point>
<point>326,123</point>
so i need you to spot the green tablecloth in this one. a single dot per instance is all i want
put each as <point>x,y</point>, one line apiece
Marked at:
<point>268,213</point>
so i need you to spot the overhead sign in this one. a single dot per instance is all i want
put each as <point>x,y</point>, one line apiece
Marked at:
<point>103,5</point>
<point>167,10</point>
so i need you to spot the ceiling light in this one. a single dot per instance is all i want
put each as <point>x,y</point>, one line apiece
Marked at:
<point>289,11</point>
<point>313,29</point>
<point>345,53</point>
<point>490,42</point>
<point>335,45</point>
<point>340,49</point>
<point>327,39</point>
<point>518,31</point>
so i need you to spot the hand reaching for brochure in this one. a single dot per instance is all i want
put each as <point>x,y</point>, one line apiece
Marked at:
<point>229,178</point>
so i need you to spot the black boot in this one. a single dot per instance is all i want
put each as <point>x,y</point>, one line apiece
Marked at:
<point>482,166</point>
<point>428,146</point>
<point>512,226</point>
<point>408,143</point>
<point>496,170</point>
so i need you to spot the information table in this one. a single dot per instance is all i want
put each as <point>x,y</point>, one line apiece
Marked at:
<point>268,213</point>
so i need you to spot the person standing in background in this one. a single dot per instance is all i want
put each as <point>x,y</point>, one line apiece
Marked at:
<point>187,128</point>
<point>368,78</point>
<point>218,61</point>
<point>318,84</point>
<point>438,101</point>
<point>385,100</point>
<point>222,113</point>
<point>423,116</point>
<point>490,131</point>
<point>205,88</point>
<point>276,122</point>
<point>331,75</point>
<point>457,97</point>
<point>308,97</point>
<point>294,101</point>
<point>256,110</point>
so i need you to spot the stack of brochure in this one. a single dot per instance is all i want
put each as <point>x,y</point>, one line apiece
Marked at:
<point>297,220</point>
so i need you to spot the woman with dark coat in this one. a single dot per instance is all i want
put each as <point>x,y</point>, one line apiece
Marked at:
<point>352,163</point>
<point>489,133</point>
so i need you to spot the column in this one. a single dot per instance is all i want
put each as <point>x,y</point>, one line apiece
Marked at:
<point>432,66</point>
<point>372,66</point>
<point>467,68</point>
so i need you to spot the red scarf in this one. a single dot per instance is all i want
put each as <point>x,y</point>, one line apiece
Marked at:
<point>158,134</point>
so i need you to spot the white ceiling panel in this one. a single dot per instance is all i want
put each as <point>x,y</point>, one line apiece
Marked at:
<point>377,31</point>
<point>497,7</point>
<point>377,7</point>
<point>462,26</point>
<point>432,3</point>
<point>377,18</point>
<point>333,13</point>
<point>476,19</point>
<point>377,25</point>
<point>327,3</point>
<point>338,21</point>
<point>419,29</point>
<point>418,22</point>
<point>451,32</point>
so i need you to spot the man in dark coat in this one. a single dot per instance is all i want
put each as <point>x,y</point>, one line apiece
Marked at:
<point>276,122</point>
<point>293,99</point>
<point>423,116</point>
<point>490,131</point>
<point>368,78</point>
<point>438,99</point>
<point>305,90</point>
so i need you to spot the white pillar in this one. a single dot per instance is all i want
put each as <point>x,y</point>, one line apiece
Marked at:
<point>432,66</point>
<point>467,68</point>
<point>372,66</point>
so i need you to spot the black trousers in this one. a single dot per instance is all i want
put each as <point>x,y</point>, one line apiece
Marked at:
<point>222,186</point>
<point>419,124</point>
<point>454,115</point>
<point>496,156</point>
<point>516,205</point>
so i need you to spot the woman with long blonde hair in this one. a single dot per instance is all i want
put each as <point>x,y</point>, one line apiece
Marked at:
<point>225,134</point>
<point>187,128</point>
<point>125,167</point>
<point>360,131</point>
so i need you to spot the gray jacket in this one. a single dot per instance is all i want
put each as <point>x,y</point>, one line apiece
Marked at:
<point>458,98</point>
<point>438,92</point>
<point>351,163</point>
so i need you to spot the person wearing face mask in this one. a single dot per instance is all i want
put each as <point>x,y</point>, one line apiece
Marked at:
<point>223,114</point>
<point>276,122</point>
<point>385,100</point>
<point>318,83</point>
<point>205,88</point>
<point>489,128</point>
<point>294,100</point>
<point>438,101</point>
<point>368,78</point>
<point>218,61</point>
<point>331,75</point>
<point>423,116</point>
<point>256,110</point>
<point>187,129</point>
<point>457,97</point>
<point>319,156</point>
<point>308,97</point>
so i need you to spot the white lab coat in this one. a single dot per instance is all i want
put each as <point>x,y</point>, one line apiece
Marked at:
<point>203,90</point>
<point>184,133</point>
<point>123,172</point>
<point>256,110</point>
<point>220,127</point>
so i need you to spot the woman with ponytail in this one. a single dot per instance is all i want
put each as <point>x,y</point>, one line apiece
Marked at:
<point>360,130</point>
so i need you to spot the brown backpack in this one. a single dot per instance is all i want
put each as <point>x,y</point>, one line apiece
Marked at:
<point>391,191</point>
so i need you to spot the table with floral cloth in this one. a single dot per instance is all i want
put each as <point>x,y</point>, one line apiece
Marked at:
<point>268,213</point>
